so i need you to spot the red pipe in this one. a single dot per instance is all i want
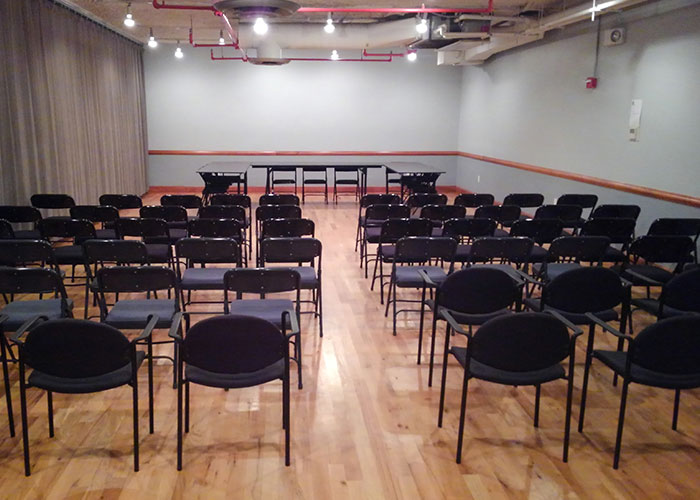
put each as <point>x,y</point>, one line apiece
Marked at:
<point>234,45</point>
<point>390,54</point>
<point>245,59</point>
<point>161,5</point>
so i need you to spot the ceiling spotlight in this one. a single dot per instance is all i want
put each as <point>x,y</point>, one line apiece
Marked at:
<point>329,27</point>
<point>411,56</point>
<point>422,26</point>
<point>178,51</point>
<point>129,19</point>
<point>334,55</point>
<point>152,43</point>
<point>260,26</point>
<point>221,38</point>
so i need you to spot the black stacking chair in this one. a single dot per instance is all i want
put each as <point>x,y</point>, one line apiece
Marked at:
<point>505,215</point>
<point>474,200</point>
<point>27,253</point>
<point>391,231</point>
<point>104,215</point>
<point>620,231</point>
<point>369,200</point>
<point>585,201</point>
<point>569,215</point>
<point>52,201</point>
<point>155,233</point>
<point>420,200</point>
<point>438,214</point>
<point>274,179</point>
<point>374,217</point>
<point>278,199</point>
<point>665,354</point>
<point>242,200</point>
<point>195,254</point>
<point>570,252</point>
<point>472,296</point>
<point>5,351</point>
<point>299,251</point>
<point>419,183</point>
<point>187,201</point>
<point>73,356</point>
<point>17,214</point>
<point>266,212</point>
<point>414,257</point>
<point>230,222</point>
<point>232,352</point>
<point>74,230</point>
<point>263,281</point>
<point>616,211</point>
<point>524,200</point>
<point>287,228</point>
<point>648,251</point>
<point>174,216</point>
<point>679,295</point>
<point>121,201</point>
<point>514,349</point>
<point>678,227</point>
<point>541,231</point>
<point>103,253</point>
<point>507,253</point>
<point>353,179</point>
<point>33,280</point>
<point>314,181</point>
<point>464,231</point>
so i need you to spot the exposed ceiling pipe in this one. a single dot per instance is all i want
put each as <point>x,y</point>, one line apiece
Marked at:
<point>388,58</point>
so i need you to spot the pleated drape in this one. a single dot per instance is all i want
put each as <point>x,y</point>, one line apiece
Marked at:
<point>72,106</point>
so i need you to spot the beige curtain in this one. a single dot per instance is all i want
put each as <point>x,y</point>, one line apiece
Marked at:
<point>72,106</point>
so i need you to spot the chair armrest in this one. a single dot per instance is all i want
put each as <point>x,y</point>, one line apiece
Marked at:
<point>454,325</point>
<point>293,320</point>
<point>528,278</point>
<point>152,320</point>
<point>426,279</point>
<point>175,326</point>
<point>3,318</point>
<point>577,331</point>
<point>28,325</point>
<point>646,279</point>
<point>605,326</point>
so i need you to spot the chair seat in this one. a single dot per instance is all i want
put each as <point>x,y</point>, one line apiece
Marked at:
<point>467,318</point>
<point>491,374</point>
<point>69,254</point>
<point>555,269</point>
<point>158,252</point>
<point>463,253</point>
<point>284,181</point>
<point>133,314</point>
<point>267,309</point>
<point>506,268</point>
<point>437,231</point>
<point>616,361</point>
<point>315,181</point>
<point>233,381</point>
<point>408,277</point>
<point>387,251</point>
<point>106,234</point>
<point>372,234</point>
<point>538,254</point>
<point>346,182</point>
<point>207,278</point>
<point>501,232</point>
<point>653,272</point>
<point>20,311</point>
<point>575,318</point>
<point>307,277</point>
<point>177,233</point>
<point>120,376</point>
<point>372,222</point>
<point>652,307</point>
<point>28,234</point>
<point>613,254</point>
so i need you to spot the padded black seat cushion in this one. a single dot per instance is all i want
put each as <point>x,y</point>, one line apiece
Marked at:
<point>575,318</point>
<point>267,309</point>
<point>485,372</point>
<point>131,314</point>
<point>652,307</point>
<point>557,268</point>
<point>407,276</point>
<point>20,311</point>
<point>307,277</point>
<point>653,272</point>
<point>613,254</point>
<point>208,278</point>
<point>372,234</point>
<point>116,378</point>
<point>387,251</point>
<point>538,254</point>
<point>233,381</point>
<point>617,359</point>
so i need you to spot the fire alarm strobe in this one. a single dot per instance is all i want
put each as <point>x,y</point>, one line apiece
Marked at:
<point>591,82</point>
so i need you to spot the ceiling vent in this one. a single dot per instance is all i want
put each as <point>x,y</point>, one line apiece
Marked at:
<point>256,8</point>
<point>268,61</point>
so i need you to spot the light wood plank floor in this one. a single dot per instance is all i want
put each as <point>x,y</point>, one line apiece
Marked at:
<point>363,427</point>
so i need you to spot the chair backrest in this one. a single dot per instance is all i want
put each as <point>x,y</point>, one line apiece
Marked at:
<point>181,200</point>
<point>521,342</point>
<point>422,199</point>
<point>115,251</point>
<point>565,213</point>
<point>292,249</point>
<point>670,346</point>
<point>441,213</point>
<point>468,228</point>
<point>233,344</point>
<point>620,211</point>
<point>17,214</point>
<point>394,229</point>
<point>662,249</point>
<point>6,231</point>
<point>95,213</point>
<point>478,290</point>
<point>473,200</point>
<point>75,348</point>
<point>242,200</point>
<point>261,280</point>
<point>22,252</point>
<point>499,213</point>
<point>420,249</point>
<point>17,280</point>
<point>675,227</point>
<point>135,279</point>
<point>586,289</point>
<point>511,249</point>
<point>144,228</point>
<point>264,212</point>
<point>61,227</point>
<point>281,228</point>
<point>540,230</point>
<point>216,228</point>
<point>121,201</point>
<point>579,248</point>
<point>222,212</point>
<point>683,291</point>
<point>619,230</point>
<point>379,199</point>
<point>279,199</point>
<point>524,200</point>
<point>208,250</point>
<point>581,200</point>
<point>169,213</point>
<point>384,212</point>
<point>52,201</point>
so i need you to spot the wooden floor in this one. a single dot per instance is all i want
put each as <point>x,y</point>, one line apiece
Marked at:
<point>363,427</point>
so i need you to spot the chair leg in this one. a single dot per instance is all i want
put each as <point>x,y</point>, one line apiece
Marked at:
<point>320,311</point>
<point>150,386</point>
<point>23,414</point>
<point>569,397</point>
<point>6,380</point>
<point>620,424</point>
<point>586,372</point>
<point>187,406</point>
<point>538,388</point>
<point>420,325</point>
<point>135,395</point>
<point>297,347</point>
<point>432,347</point>
<point>179,415</point>
<point>394,306</point>
<point>175,354</point>
<point>49,404</point>
<point>444,376</point>
<point>286,415</point>
<point>462,415</point>
<point>676,405</point>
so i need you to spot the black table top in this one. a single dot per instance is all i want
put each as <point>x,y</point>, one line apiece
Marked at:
<point>320,164</point>
<point>224,167</point>
<point>408,167</point>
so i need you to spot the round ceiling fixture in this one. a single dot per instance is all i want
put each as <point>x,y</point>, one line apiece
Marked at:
<point>256,8</point>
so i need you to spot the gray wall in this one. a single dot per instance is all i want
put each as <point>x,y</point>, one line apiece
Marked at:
<point>199,104</point>
<point>531,106</point>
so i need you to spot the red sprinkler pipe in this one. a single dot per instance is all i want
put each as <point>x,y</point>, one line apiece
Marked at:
<point>235,46</point>
<point>390,54</point>
<point>162,5</point>
<point>322,59</point>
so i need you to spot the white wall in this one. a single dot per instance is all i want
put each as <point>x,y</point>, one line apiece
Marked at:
<point>199,104</point>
